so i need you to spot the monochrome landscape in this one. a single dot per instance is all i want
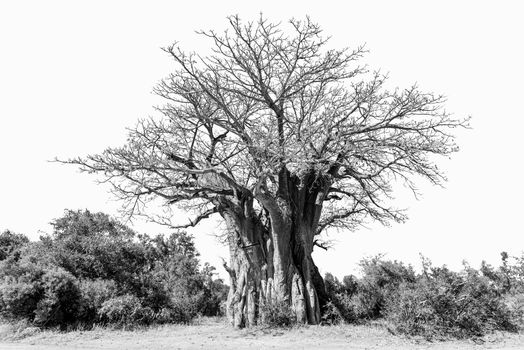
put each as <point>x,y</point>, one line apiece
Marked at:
<point>259,177</point>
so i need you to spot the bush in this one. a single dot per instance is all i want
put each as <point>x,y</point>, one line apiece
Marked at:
<point>46,297</point>
<point>362,299</point>
<point>380,279</point>
<point>215,293</point>
<point>186,307</point>
<point>19,299</point>
<point>61,301</point>
<point>277,314</point>
<point>91,268</point>
<point>410,312</point>
<point>21,289</point>
<point>95,246</point>
<point>515,303</point>
<point>171,315</point>
<point>340,305</point>
<point>10,244</point>
<point>93,295</point>
<point>125,311</point>
<point>332,314</point>
<point>445,303</point>
<point>436,303</point>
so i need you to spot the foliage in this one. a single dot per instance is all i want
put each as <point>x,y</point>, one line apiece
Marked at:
<point>365,298</point>
<point>88,245</point>
<point>216,291</point>
<point>332,314</point>
<point>380,279</point>
<point>66,278</point>
<point>93,295</point>
<point>274,101</point>
<point>447,303</point>
<point>436,303</point>
<point>509,276</point>
<point>10,244</point>
<point>126,310</point>
<point>47,297</point>
<point>339,307</point>
<point>19,299</point>
<point>61,302</point>
<point>93,269</point>
<point>277,314</point>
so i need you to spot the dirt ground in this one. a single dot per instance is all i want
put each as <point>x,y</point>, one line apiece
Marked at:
<point>215,334</point>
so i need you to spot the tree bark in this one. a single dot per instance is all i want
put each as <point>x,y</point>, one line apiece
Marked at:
<point>269,264</point>
<point>294,214</point>
<point>250,267</point>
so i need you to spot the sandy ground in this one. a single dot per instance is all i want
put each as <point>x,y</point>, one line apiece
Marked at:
<point>213,334</point>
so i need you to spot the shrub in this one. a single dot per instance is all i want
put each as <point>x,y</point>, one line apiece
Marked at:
<point>365,298</point>
<point>340,305</point>
<point>186,307</point>
<point>10,244</point>
<point>515,303</point>
<point>277,314</point>
<point>20,289</point>
<point>509,276</point>
<point>173,315</point>
<point>61,301</point>
<point>125,310</point>
<point>19,299</point>
<point>436,303</point>
<point>93,294</point>
<point>47,297</point>
<point>215,293</point>
<point>331,314</point>
<point>447,303</point>
<point>95,246</point>
<point>410,312</point>
<point>380,279</point>
<point>91,269</point>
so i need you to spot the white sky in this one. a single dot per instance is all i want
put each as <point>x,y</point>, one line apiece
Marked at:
<point>74,75</point>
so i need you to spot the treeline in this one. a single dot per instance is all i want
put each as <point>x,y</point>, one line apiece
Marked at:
<point>94,270</point>
<point>437,302</point>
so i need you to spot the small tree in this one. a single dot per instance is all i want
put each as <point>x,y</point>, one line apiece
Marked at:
<point>283,138</point>
<point>88,245</point>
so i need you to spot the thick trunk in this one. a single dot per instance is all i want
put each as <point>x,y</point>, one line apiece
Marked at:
<point>248,264</point>
<point>269,266</point>
<point>302,243</point>
<point>252,262</point>
<point>294,213</point>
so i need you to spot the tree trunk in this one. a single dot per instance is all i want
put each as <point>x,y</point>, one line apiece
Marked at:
<point>250,262</point>
<point>269,265</point>
<point>294,214</point>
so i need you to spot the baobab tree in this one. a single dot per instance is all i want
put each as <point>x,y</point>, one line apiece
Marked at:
<point>282,138</point>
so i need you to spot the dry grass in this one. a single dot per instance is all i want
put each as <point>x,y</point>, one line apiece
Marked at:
<point>215,334</point>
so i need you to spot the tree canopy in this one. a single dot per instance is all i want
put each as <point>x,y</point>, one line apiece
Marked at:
<point>265,101</point>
